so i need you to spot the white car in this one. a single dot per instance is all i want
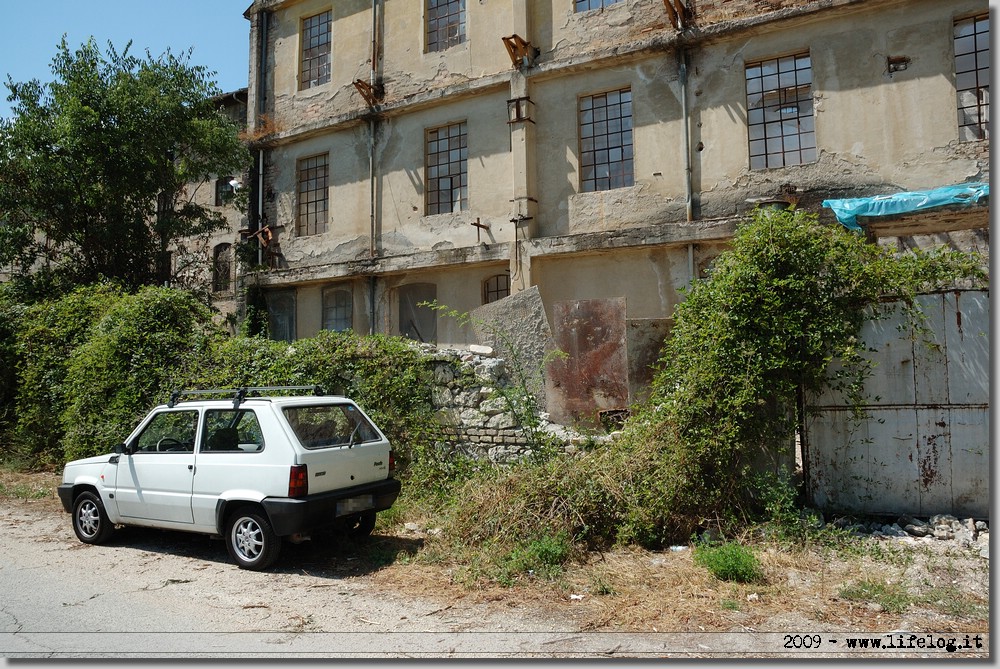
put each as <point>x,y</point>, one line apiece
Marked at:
<point>254,470</point>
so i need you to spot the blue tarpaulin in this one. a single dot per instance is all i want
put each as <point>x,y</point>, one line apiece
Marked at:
<point>847,211</point>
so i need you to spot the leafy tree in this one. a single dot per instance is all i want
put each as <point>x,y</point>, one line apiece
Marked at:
<point>95,166</point>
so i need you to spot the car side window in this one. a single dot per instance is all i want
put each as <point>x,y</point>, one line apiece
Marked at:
<point>169,432</point>
<point>232,431</point>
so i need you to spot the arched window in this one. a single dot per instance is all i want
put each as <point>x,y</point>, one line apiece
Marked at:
<point>222,268</point>
<point>338,309</point>
<point>496,287</point>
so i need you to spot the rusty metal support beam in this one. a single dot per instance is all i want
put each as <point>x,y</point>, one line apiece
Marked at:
<point>677,11</point>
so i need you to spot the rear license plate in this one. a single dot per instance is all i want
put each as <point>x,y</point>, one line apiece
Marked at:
<point>354,504</point>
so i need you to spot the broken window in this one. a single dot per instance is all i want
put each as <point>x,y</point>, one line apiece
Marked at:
<point>587,5</point>
<point>496,287</point>
<point>447,178</point>
<point>224,190</point>
<point>222,267</point>
<point>281,315</point>
<point>606,141</point>
<point>315,51</point>
<point>417,321</point>
<point>780,122</point>
<point>972,77</point>
<point>313,195</point>
<point>445,24</point>
<point>338,309</point>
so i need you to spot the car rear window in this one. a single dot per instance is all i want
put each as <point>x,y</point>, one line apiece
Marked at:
<point>330,425</point>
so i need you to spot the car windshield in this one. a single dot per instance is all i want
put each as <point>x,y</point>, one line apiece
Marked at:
<point>330,425</point>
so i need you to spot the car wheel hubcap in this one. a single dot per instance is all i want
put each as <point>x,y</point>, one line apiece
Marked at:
<point>248,539</point>
<point>88,519</point>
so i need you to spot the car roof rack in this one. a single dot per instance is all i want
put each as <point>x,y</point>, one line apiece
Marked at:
<point>240,394</point>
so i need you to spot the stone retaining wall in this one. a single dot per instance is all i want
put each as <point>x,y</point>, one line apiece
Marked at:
<point>482,409</point>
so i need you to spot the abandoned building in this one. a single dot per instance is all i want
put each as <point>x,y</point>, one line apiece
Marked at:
<point>585,158</point>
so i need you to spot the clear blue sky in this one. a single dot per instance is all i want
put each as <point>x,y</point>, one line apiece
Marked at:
<point>214,29</point>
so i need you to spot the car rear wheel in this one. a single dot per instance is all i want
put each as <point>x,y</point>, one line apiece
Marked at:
<point>361,525</point>
<point>90,521</point>
<point>251,541</point>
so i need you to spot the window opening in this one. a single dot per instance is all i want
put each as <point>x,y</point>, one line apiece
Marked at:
<point>972,77</point>
<point>445,24</point>
<point>222,267</point>
<point>338,309</point>
<point>415,321</point>
<point>587,5</point>
<point>281,315</point>
<point>780,122</point>
<point>496,288</point>
<point>169,432</point>
<point>606,141</point>
<point>315,51</point>
<point>224,190</point>
<point>447,179</point>
<point>312,195</point>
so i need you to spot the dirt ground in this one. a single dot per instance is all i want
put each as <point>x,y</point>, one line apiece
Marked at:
<point>930,586</point>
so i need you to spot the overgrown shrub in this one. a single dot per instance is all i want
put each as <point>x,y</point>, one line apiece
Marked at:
<point>46,334</point>
<point>142,346</point>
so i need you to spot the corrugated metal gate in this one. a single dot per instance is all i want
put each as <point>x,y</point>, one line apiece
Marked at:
<point>925,446</point>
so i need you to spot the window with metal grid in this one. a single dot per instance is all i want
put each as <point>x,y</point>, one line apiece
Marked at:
<point>315,51</point>
<point>780,122</point>
<point>587,5</point>
<point>338,309</point>
<point>313,195</point>
<point>447,178</point>
<point>606,141</point>
<point>445,24</point>
<point>496,288</point>
<point>972,77</point>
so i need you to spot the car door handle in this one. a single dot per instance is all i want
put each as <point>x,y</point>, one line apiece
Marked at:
<point>191,468</point>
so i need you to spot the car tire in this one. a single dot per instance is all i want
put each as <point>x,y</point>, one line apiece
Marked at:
<point>90,520</point>
<point>251,540</point>
<point>361,525</point>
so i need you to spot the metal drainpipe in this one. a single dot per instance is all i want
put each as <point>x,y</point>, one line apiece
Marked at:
<point>262,19</point>
<point>688,190</point>
<point>372,75</point>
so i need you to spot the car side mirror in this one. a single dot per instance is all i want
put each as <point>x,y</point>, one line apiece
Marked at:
<point>121,448</point>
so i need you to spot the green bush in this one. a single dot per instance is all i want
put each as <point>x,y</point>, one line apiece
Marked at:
<point>47,333</point>
<point>137,352</point>
<point>729,561</point>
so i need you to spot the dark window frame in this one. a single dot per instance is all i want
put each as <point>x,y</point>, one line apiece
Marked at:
<point>604,126</point>
<point>222,268</point>
<point>343,312</point>
<point>313,194</point>
<point>781,122</point>
<point>445,24</point>
<point>972,77</point>
<point>446,159</point>
<point>496,287</point>
<point>315,54</point>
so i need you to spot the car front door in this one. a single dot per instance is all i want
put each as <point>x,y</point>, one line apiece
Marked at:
<point>154,481</point>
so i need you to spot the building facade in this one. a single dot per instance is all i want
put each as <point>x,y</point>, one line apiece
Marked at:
<point>598,152</point>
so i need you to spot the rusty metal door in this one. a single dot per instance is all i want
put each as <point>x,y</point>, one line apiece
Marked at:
<point>924,446</point>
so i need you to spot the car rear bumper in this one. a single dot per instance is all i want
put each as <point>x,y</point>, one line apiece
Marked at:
<point>294,516</point>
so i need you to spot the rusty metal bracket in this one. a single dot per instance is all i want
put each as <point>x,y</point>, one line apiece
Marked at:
<point>521,53</point>
<point>371,94</point>
<point>678,12</point>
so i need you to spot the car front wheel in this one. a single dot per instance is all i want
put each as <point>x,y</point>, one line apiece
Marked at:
<point>90,521</point>
<point>251,541</point>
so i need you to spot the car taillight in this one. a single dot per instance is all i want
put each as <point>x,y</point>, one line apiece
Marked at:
<point>298,481</point>
<point>392,463</point>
